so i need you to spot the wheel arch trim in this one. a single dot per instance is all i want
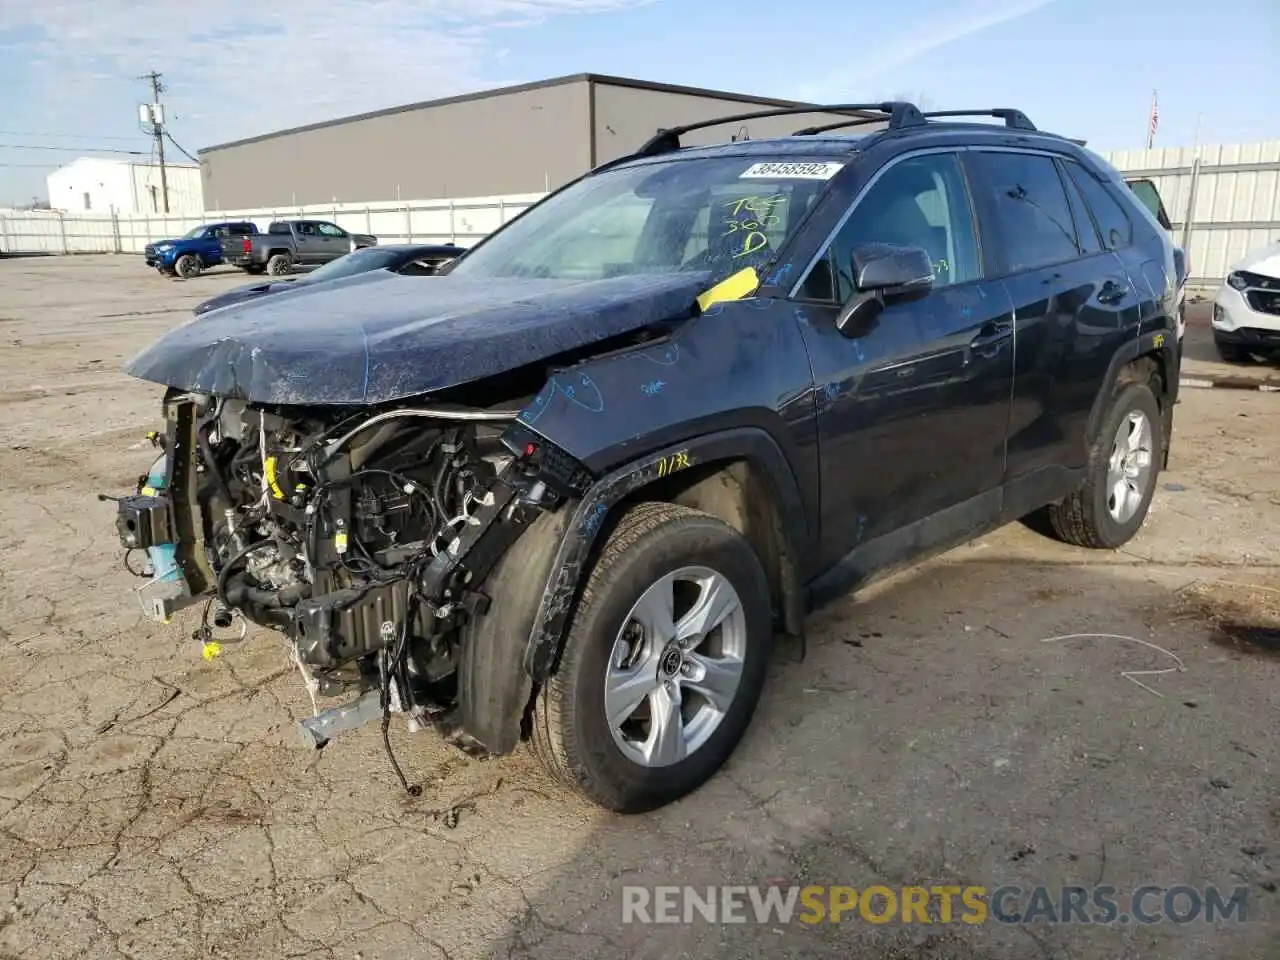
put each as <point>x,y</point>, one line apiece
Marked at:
<point>569,568</point>
<point>1161,346</point>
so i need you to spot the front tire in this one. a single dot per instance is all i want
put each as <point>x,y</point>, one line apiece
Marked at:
<point>188,266</point>
<point>1231,353</point>
<point>1109,508</point>
<point>663,664</point>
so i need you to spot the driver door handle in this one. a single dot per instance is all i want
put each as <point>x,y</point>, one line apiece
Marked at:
<point>991,337</point>
<point>1112,292</point>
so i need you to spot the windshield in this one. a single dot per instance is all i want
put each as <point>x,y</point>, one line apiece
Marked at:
<point>193,233</point>
<point>718,215</point>
<point>358,261</point>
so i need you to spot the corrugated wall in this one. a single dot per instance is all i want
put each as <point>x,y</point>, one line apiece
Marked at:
<point>184,187</point>
<point>1236,198</point>
<point>511,142</point>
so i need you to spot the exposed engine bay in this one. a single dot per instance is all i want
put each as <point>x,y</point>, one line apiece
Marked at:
<point>365,539</point>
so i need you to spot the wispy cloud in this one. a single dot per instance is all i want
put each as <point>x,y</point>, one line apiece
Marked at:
<point>260,66</point>
<point>876,56</point>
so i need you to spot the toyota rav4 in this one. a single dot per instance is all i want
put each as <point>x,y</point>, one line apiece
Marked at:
<point>570,490</point>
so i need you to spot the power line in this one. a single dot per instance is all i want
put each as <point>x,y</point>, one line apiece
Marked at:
<point>63,136</point>
<point>181,148</point>
<point>30,166</point>
<point>24,146</point>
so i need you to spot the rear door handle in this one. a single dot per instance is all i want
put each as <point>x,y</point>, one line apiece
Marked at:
<point>1112,292</point>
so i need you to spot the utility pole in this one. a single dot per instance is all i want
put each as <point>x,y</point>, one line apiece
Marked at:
<point>156,114</point>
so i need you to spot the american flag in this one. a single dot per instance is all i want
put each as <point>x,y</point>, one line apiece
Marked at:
<point>1154,121</point>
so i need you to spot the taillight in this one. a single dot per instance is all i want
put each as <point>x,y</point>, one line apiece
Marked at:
<point>247,244</point>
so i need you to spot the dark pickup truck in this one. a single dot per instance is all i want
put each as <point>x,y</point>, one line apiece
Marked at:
<point>290,242</point>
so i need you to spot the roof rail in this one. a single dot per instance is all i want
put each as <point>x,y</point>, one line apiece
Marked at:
<point>898,114</point>
<point>1015,119</point>
<point>905,119</point>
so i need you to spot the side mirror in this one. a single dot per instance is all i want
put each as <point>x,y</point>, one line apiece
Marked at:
<point>882,272</point>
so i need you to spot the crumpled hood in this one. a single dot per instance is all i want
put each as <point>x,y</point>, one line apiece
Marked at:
<point>1265,261</point>
<point>377,337</point>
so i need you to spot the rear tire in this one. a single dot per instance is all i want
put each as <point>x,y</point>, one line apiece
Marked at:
<point>1111,504</point>
<point>280,264</point>
<point>188,266</point>
<point>1231,353</point>
<point>621,765</point>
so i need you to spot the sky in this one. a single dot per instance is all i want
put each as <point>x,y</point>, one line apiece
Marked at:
<point>70,69</point>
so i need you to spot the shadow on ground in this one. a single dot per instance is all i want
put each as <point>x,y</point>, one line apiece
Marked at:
<point>933,738</point>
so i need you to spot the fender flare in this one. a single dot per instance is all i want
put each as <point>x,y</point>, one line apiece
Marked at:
<point>1164,343</point>
<point>569,567</point>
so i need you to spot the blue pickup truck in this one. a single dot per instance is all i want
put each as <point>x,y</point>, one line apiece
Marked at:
<point>196,250</point>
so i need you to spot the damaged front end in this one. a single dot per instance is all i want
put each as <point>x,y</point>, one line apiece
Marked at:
<point>365,539</point>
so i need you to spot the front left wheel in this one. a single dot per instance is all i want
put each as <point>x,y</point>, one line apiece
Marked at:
<point>663,664</point>
<point>187,266</point>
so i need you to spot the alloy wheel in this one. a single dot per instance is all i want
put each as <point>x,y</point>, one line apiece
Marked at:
<point>1129,467</point>
<point>675,667</point>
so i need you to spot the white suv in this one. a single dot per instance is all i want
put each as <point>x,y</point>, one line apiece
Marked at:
<point>1246,311</point>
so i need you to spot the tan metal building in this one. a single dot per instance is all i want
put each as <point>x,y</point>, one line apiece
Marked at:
<point>519,139</point>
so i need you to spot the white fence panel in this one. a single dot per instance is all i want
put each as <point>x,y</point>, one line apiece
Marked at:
<point>1235,191</point>
<point>463,221</point>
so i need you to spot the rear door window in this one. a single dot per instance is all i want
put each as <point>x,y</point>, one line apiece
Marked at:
<point>1113,222</point>
<point>1029,202</point>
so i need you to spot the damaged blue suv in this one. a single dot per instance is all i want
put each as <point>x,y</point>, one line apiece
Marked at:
<point>570,490</point>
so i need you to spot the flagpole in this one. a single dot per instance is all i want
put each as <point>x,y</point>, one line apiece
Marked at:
<point>1151,121</point>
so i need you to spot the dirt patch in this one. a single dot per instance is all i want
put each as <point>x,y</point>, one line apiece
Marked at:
<point>1244,617</point>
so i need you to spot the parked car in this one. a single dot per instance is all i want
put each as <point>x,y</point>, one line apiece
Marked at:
<point>196,250</point>
<point>572,486</point>
<point>410,259</point>
<point>1246,309</point>
<point>290,242</point>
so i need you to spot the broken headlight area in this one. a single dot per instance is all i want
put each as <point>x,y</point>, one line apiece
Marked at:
<point>364,539</point>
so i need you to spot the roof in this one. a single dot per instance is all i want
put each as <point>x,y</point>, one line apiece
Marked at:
<point>129,161</point>
<point>820,145</point>
<point>837,144</point>
<point>599,78</point>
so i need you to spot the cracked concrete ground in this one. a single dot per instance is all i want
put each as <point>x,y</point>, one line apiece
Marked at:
<point>154,805</point>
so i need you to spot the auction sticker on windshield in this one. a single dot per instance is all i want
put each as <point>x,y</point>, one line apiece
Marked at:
<point>778,170</point>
